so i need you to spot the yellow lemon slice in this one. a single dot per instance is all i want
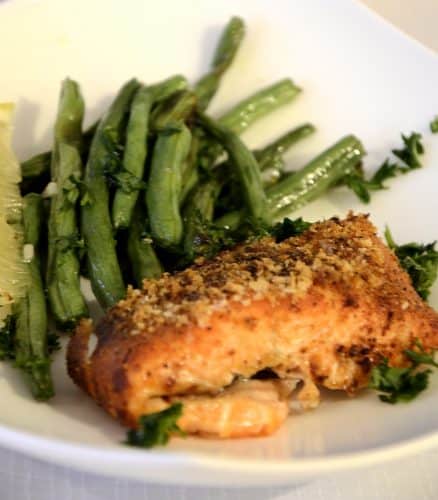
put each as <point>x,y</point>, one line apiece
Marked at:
<point>13,273</point>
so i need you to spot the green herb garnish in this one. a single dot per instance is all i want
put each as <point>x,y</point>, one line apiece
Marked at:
<point>155,429</point>
<point>434,125</point>
<point>71,189</point>
<point>288,228</point>
<point>127,181</point>
<point>403,384</point>
<point>419,261</point>
<point>409,155</point>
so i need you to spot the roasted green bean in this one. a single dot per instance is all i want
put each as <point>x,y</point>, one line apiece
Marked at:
<point>164,186</point>
<point>247,169</point>
<point>178,107</point>
<point>225,52</point>
<point>248,111</point>
<point>303,186</point>
<point>144,261</point>
<point>103,268</point>
<point>258,105</point>
<point>134,158</point>
<point>65,297</point>
<point>313,180</point>
<point>271,156</point>
<point>198,212</point>
<point>63,269</point>
<point>35,171</point>
<point>164,89</point>
<point>189,169</point>
<point>31,353</point>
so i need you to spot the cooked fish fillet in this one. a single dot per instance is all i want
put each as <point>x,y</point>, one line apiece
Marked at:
<point>321,308</point>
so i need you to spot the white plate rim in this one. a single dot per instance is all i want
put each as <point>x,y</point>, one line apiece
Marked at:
<point>53,450</point>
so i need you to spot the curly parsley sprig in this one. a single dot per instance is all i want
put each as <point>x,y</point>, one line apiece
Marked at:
<point>397,384</point>
<point>420,261</point>
<point>409,155</point>
<point>155,429</point>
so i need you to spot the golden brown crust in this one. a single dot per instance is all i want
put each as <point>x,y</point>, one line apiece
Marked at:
<point>325,306</point>
<point>77,356</point>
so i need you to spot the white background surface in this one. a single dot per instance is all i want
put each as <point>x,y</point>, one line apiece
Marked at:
<point>22,478</point>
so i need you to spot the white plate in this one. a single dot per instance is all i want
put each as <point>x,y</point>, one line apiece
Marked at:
<point>359,74</point>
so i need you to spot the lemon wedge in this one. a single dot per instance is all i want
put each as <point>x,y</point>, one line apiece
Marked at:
<point>13,272</point>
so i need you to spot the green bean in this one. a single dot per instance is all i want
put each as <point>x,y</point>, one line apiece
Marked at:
<point>246,166</point>
<point>35,171</point>
<point>103,268</point>
<point>133,158</point>
<point>301,187</point>
<point>164,187</point>
<point>65,297</point>
<point>199,211</point>
<point>231,194</point>
<point>189,181</point>
<point>231,220</point>
<point>270,161</point>
<point>144,261</point>
<point>271,155</point>
<point>178,107</point>
<point>189,170</point>
<point>224,54</point>
<point>87,138</point>
<point>314,179</point>
<point>248,111</point>
<point>36,166</point>
<point>68,125</point>
<point>166,88</point>
<point>258,105</point>
<point>66,301</point>
<point>31,353</point>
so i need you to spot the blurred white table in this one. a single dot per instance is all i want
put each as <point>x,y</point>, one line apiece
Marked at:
<point>22,478</point>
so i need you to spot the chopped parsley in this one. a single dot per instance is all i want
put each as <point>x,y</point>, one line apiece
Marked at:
<point>71,189</point>
<point>155,429</point>
<point>420,356</point>
<point>403,384</point>
<point>434,125</point>
<point>410,158</point>
<point>210,239</point>
<point>114,170</point>
<point>70,242</point>
<point>86,199</point>
<point>126,181</point>
<point>411,151</point>
<point>288,228</point>
<point>420,261</point>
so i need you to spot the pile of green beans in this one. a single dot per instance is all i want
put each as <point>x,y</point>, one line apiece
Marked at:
<point>155,183</point>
